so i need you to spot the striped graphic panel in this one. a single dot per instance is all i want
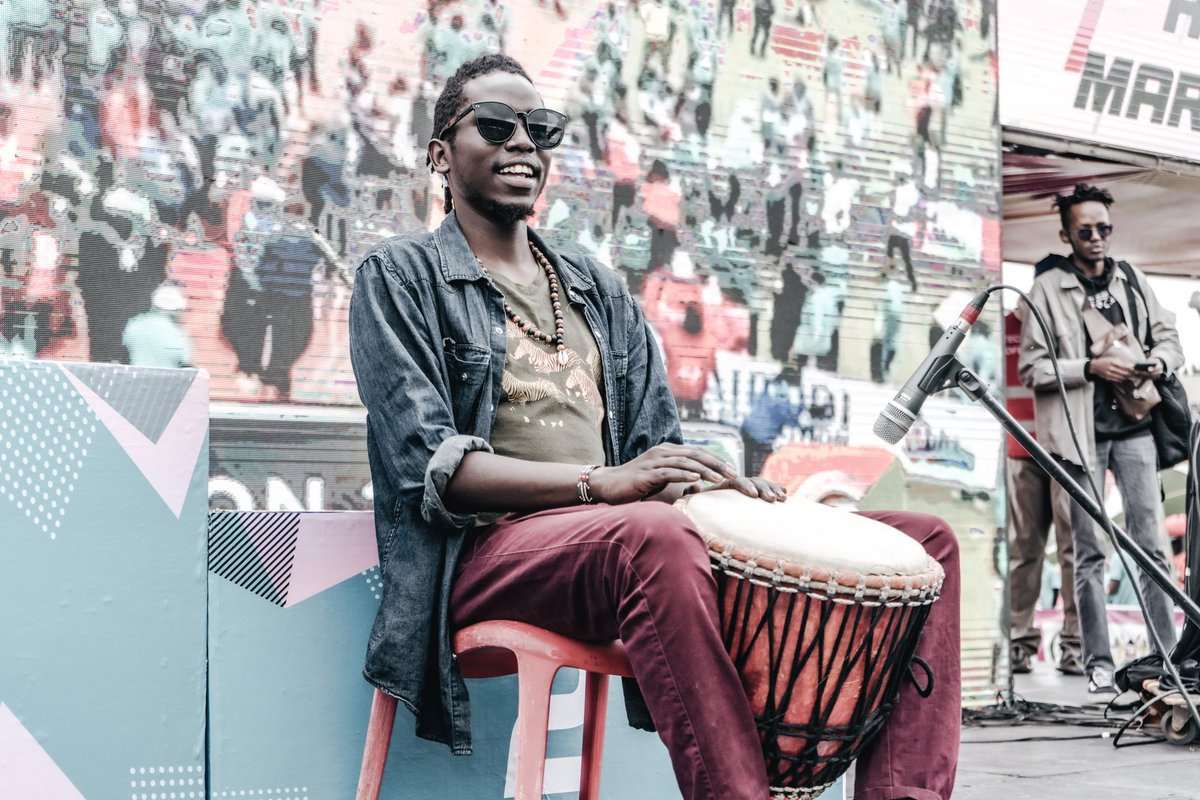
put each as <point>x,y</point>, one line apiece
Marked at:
<point>254,550</point>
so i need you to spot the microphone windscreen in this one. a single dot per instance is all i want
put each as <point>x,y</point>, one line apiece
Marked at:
<point>889,430</point>
<point>892,423</point>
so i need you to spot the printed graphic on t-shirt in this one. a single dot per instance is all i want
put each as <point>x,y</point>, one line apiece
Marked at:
<point>532,373</point>
<point>1102,300</point>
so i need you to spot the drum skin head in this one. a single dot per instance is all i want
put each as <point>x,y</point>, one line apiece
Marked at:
<point>800,531</point>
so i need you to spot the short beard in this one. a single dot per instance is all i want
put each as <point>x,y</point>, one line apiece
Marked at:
<point>505,214</point>
<point>502,214</point>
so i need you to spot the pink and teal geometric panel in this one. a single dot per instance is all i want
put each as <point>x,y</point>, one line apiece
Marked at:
<point>102,531</point>
<point>147,398</point>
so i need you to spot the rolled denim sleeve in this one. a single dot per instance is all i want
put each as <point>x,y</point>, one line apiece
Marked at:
<point>399,366</point>
<point>441,469</point>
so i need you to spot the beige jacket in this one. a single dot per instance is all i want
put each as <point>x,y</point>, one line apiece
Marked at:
<point>1059,296</point>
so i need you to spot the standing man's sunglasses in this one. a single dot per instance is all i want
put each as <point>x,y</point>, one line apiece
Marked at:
<point>1104,230</point>
<point>497,122</point>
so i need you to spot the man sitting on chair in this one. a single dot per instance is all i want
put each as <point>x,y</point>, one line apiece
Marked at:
<point>520,430</point>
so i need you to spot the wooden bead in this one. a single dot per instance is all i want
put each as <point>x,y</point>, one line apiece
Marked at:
<point>528,327</point>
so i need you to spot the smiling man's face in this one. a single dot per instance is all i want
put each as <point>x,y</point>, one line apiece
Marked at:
<point>499,181</point>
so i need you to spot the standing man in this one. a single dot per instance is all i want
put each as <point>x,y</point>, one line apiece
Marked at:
<point>1109,440</point>
<point>902,222</point>
<point>725,17</point>
<point>940,26</point>
<point>520,431</point>
<point>916,9</point>
<point>764,13</point>
<point>1034,501</point>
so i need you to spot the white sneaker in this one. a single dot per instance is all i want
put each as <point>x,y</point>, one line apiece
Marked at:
<point>1100,683</point>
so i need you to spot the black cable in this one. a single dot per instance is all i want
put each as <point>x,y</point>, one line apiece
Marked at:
<point>1138,718</point>
<point>1026,712</point>
<point>1020,712</point>
<point>1150,740</point>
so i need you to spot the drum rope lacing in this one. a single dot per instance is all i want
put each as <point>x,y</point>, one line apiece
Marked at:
<point>869,647</point>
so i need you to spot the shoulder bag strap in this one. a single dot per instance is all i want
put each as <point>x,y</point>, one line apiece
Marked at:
<point>1099,329</point>
<point>1131,283</point>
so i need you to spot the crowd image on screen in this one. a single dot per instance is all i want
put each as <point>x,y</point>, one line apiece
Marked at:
<point>790,187</point>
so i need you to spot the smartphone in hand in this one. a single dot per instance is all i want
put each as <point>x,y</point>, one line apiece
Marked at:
<point>1145,366</point>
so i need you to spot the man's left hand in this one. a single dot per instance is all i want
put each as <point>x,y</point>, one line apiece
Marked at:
<point>751,487</point>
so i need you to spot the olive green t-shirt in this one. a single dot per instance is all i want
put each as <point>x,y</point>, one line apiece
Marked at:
<point>548,412</point>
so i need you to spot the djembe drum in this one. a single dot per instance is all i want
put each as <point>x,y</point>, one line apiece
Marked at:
<point>820,611</point>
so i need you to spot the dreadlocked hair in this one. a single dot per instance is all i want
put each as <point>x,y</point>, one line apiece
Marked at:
<point>450,101</point>
<point>1083,194</point>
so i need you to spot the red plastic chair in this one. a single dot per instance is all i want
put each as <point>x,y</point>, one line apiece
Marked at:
<point>502,647</point>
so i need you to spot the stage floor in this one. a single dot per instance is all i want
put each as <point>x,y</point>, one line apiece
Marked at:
<point>1033,761</point>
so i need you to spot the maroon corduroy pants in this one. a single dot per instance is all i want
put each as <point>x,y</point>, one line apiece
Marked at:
<point>640,573</point>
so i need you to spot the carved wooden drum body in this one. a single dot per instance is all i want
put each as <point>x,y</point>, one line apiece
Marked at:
<point>821,610</point>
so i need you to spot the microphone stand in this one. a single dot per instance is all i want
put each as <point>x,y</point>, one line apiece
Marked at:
<point>962,377</point>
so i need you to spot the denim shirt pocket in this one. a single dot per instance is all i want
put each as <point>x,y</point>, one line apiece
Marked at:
<point>469,368</point>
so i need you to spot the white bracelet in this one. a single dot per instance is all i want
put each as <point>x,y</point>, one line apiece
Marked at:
<point>582,487</point>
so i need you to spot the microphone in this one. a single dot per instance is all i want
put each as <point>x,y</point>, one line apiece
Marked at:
<point>902,410</point>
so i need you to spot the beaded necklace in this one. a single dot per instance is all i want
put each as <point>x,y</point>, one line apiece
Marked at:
<point>527,327</point>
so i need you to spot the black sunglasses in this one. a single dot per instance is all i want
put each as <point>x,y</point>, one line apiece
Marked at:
<point>497,122</point>
<point>1103,229</point>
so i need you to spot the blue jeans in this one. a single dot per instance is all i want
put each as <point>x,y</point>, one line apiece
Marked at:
<point>1135,465</point>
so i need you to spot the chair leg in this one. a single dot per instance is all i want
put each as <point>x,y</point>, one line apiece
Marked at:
<point>379,737</point>
<point>594,711</point>
<point>534,678</point>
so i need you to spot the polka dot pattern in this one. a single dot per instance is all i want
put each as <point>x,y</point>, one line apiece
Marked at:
<point>374,581</point>
<point>46,432</point>
<point>183,782</point>
<point>278,793</point>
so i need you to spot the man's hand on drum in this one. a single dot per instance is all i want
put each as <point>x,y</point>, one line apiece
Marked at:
<point>692,469</point>
<point>751,487</point>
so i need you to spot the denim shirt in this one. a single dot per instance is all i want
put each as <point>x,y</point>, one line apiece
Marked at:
<point>428,347</point>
